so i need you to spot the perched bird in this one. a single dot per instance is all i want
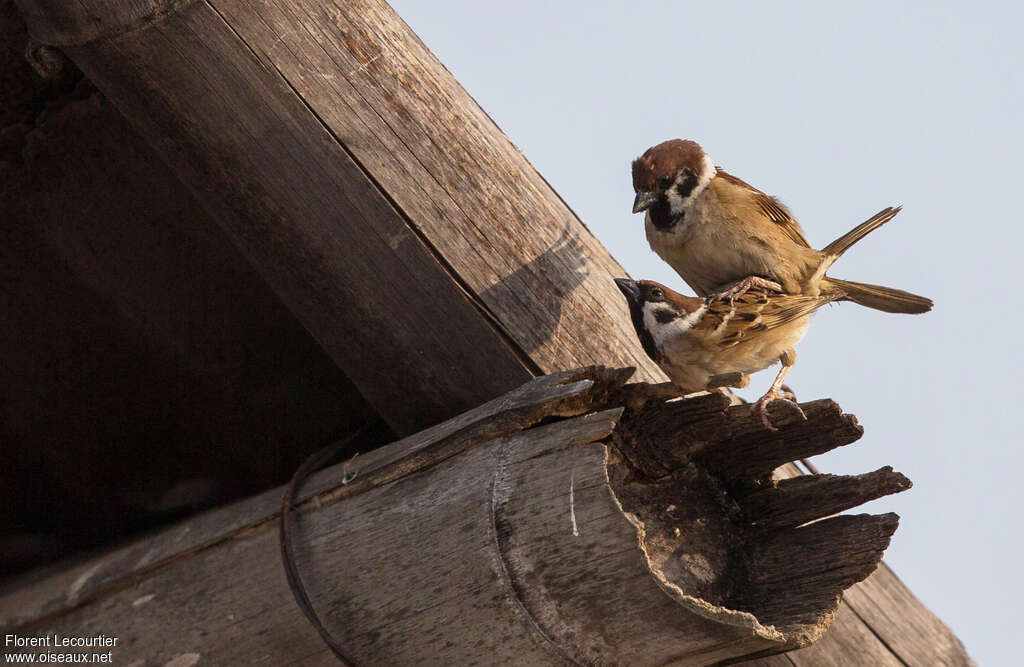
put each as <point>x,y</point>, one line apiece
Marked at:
<point>724,236</point>
<point>704,344</point>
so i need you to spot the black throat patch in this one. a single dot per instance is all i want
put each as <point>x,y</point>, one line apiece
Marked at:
<point>661,212</point>
<point>661,215</point>
<point>646,340</point>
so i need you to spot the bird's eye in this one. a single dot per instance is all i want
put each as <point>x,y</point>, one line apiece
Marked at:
<point>665,183</point>
<point>657,294</point>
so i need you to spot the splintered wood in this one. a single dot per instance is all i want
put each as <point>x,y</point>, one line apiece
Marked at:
<point>549,526</point>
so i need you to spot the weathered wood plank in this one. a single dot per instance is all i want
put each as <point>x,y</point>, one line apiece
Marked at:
<point>562,394</point>
<point>848,643</point>
<point>385,161</point>
<point>730,440</point>
<point>266,54</point>
<point>307,216</point>
<point>462,183</point>
<point>792,575</point>
<point>478,542</point>
<point>531,543</point>
<point>794,501</point>
<point>909,629</point>
<point>697,473</point>
<point>134,335</point>
<point>879,621</point>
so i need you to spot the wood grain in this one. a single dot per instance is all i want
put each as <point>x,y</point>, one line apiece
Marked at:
<point>463,185</point>
<point>564,394</point>
<point>514,532</point>
<point>907,628</point>
<point>529,551</point>
<point>329,142</point>
<point>795,501</point>
<point>142,355</point>
<point>307,216</point>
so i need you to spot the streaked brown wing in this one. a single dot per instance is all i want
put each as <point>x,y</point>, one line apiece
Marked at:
<point>772,209</point>
<point>756,311</point>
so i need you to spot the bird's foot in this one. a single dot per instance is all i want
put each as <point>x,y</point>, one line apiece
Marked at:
<point>741,287</point>
<point>783,394</point>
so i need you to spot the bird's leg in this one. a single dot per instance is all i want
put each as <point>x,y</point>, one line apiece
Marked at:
<point>740,287</point>
<point>788,358</point>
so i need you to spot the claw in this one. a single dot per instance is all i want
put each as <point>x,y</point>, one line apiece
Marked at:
<point>774,395</point>
<point>741,287</point>
<point>779,391</point>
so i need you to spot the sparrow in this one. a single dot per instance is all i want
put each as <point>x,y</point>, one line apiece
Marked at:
<point>704,344</point>
<point>723,236</point>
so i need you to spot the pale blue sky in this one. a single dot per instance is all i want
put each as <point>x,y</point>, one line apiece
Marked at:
<point>839,111</point>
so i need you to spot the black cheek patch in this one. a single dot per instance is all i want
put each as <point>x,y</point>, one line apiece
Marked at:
<point>686,187</point>
<point>664,316</point>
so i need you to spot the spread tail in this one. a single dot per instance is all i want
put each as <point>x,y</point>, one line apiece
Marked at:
<point>880,298</point>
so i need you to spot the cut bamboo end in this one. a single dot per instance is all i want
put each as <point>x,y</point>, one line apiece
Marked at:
<point>726,539</point>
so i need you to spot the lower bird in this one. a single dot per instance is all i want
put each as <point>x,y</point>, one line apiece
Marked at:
<point>704,344</point>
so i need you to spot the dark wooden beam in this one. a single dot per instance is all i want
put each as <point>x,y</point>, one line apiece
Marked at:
<point>148,369</point>
<point>516,532</point>
<point>404,230</point>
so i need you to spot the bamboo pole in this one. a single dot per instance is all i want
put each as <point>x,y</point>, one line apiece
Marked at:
<point>526,531</point>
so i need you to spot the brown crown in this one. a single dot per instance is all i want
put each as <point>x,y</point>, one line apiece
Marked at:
<point>683,304</point>
<point>664,160</point>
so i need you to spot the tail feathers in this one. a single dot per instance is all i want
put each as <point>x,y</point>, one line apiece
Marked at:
<point>880,298</point>
<point>843,243</point>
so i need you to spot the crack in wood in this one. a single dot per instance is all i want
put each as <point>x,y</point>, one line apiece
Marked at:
<point>514,592</point>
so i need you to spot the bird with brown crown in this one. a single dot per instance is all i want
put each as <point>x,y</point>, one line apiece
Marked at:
<point>706,344</point>
<point>723,236</point>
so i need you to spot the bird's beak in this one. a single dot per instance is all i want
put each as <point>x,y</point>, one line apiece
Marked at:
<point>644,200</point>
<point>629,288</point>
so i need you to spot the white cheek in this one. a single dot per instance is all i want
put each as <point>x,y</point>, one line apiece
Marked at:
<point>688,322</point>
<point>660,332</point>
<point>675,202</point>
<point>679,204</point>
<point>709,172</point>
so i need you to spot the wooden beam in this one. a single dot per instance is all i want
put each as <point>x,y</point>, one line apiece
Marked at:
<point>134,337</point>
<point>328,142</point>
<point>564,394</point>
<point>305,214</point>
<point>398,223</point>
<point>518,531</point>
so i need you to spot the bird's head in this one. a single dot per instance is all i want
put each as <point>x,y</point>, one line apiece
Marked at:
<point>668,178</point>
<point>658,313</point>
